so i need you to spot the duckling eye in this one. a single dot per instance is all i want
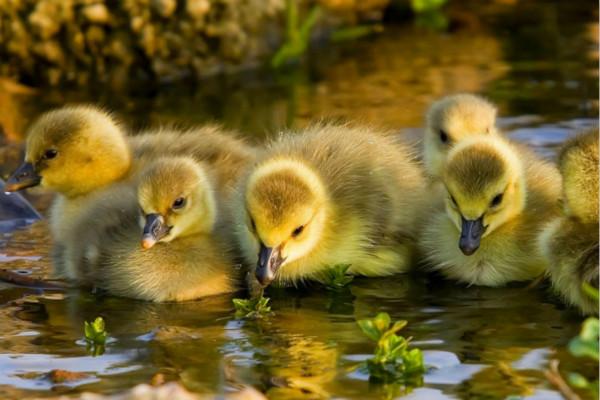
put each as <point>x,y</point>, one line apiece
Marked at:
<point>298,231</point>
<point>178,203</point>
<point>496,200</point>
<point>50,154</point>
<point>443,136</point>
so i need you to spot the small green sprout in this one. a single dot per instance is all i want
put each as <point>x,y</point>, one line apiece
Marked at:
<point>252,308</point>
<point>336,277</point>
<point>586,345</point>
<point>95,336</point>
<point>392,360</point>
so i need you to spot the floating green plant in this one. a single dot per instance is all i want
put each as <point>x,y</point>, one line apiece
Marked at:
<point>392,360</point>
<point>336,277</point>
<point>252,308</point>
<point>95,336</point>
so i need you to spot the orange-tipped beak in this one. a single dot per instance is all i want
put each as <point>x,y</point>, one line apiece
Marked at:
<point>154,230</point>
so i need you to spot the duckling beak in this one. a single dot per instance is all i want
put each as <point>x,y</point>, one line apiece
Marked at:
<point>23,178</point>
<point>154,230</point>
<point>470,236</point>
<point>269,261</point>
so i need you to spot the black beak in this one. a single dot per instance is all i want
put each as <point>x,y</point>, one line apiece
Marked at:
<point>470,236</point>
<point>269,261</point>
<point>154,230</point>
<point>23,178</point>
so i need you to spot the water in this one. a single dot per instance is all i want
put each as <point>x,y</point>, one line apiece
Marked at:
<point>537,61</point>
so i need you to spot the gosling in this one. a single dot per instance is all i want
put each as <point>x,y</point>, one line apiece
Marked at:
<point>181,253</point>
<point>80,151</point>
<point>451,119</point>
<point>498,195</point>
<point>330,195</point>
<point>570,242</point>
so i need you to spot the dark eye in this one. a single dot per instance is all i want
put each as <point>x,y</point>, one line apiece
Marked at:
<point>443,136</point>
<point>50,154</point>
<point>298,231</point>
<point>496,200</point>
<point>178,203</point>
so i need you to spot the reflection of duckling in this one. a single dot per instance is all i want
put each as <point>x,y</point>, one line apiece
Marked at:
<point>78,151</point>
<point>498,195</point>
<point>183,256</point>
<point>331,195</point>
<point>450,120</point>
<point>570,242</point>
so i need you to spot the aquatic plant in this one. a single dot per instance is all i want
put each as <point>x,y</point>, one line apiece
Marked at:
<point>95,336</point>
<point>585,345</point>
<point>297,35</point>
<point>252,308</point>
<point>336,278</point>
<point>392,360</point>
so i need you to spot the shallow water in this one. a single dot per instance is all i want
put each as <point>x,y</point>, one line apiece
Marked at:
<point>537,61</point>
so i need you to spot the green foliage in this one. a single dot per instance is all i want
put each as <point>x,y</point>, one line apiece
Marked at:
<point>297,35</point>
<point>95,336</point>
<point>586,345</point>
<point>252,308</point>
<point>335,278</point>
<point>423,6</point>
<point>392,360</point>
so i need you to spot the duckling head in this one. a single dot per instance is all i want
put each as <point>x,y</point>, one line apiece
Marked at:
<point>176,199</point>
<point>452,119</point>
<point>72,150</point>
<point>286,205</point>
<point>485,184</point>
<point>578,163</point>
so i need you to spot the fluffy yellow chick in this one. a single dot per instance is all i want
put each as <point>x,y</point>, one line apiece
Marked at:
<point>451,119</point>
<point>179,254</point>
<point>79,151</point>
<point>570,242</point>
<point>498,195</point>
<point>330,195</point>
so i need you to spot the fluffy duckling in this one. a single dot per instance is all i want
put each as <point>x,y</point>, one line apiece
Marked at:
<point>330,195</point>
<point>73,151</point>
<point>450,120</point>
<point>79,151</point>
<point>180,254</point>
<point>570,242</point>
<point>498,195</point>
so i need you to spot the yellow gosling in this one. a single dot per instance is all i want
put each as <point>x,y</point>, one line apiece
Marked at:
<point>330,195</point>
<point>570,242</point>
<point>498,195</point>
<point>451,119</point>
<point>80,151</point>
<point>179,254</point>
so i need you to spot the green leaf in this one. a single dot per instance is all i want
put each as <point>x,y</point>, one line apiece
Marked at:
<point>578,380</point>
<point>369,329</point>
<point>586,344</point>
<point>382,322</point>
<point>256,307</point>
<point>420,6</point>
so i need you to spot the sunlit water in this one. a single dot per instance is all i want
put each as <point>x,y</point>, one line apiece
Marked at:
<point>539,64</point>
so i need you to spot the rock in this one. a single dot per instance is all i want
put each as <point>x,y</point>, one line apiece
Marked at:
<point>197,9</point>
<point>62,376</point>
<point>164,8</point>
<point>96,13</point>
